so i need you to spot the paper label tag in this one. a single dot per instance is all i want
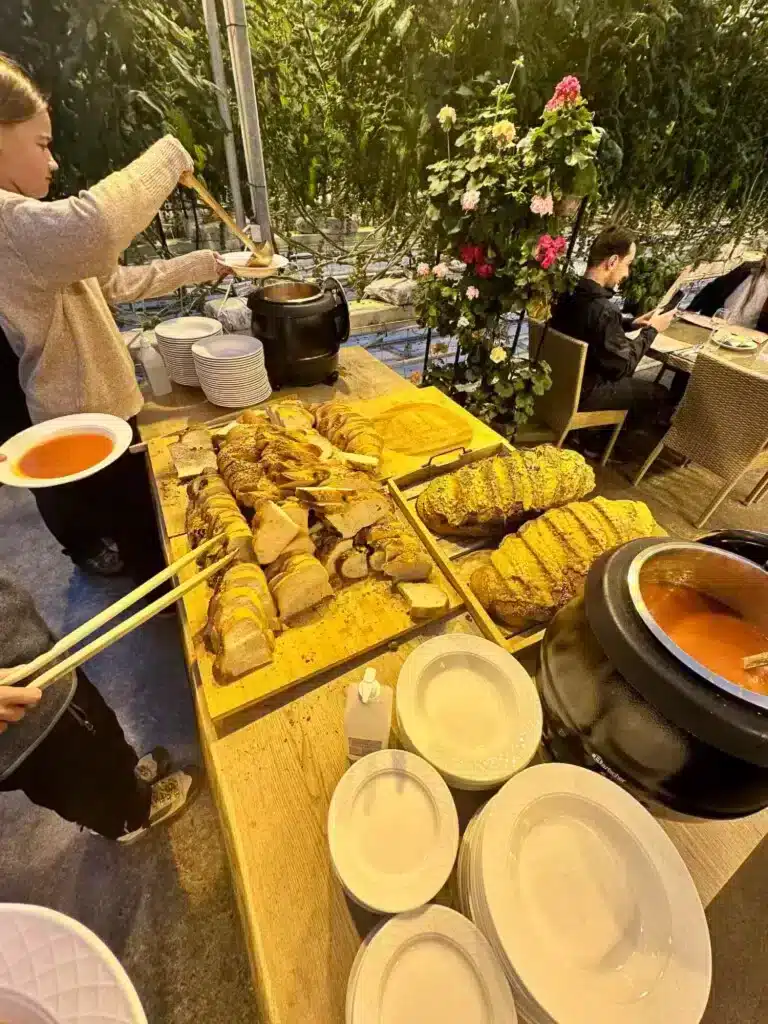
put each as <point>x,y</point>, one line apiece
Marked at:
<point>359,747</point>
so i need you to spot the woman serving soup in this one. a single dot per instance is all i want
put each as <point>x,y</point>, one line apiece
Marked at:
<point>59,272</point>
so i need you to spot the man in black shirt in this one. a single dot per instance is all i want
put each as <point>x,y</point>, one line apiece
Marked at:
<point>612,355</point>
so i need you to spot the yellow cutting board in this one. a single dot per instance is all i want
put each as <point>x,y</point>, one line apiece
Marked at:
<point>362,616</point>
<point>442,425</point>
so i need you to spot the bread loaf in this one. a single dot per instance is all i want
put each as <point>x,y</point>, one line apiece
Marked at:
<point>541,567</point>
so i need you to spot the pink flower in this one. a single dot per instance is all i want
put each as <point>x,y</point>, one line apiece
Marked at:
<point>543,205</point>
<point>485,270</point>
<point>440,270</point>
<point>470,200</point>
<point>566,91</point>
<point>472,292</point>
<point>422,270</point>
<point>548,249</point>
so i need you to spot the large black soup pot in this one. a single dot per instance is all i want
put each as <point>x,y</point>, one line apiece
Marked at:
<point>620,697</point>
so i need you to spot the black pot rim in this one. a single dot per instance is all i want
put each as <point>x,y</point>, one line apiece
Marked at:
<point>714,716</point>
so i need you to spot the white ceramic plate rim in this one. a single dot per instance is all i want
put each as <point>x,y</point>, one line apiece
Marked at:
<point>22,980</point>
<point>666,999</point>
<point>82,422</point>
<point>415,727</point>
<point>200,350</point>
<point>431,921</point>
<point>209,327</point>
<point>386,893</point>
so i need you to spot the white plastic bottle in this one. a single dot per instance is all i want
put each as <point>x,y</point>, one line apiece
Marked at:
<point>154,368</point>
<point>367,716</point>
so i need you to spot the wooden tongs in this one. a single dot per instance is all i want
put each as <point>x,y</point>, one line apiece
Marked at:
<point>122,628</point>
<point>262,253</point>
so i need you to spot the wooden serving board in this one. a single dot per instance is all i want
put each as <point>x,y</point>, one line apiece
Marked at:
<point>361,617</point>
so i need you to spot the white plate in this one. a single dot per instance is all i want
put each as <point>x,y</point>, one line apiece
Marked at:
<point>227,348</point>
<point>238,260</point>
<point>79,423</point>
<point>734,341</point>
<point>53,969</point>
<point>587,894</point>
<point>393,831</point>
<point>186,330</point>
<point>431,965</point>
<point>470,709</point>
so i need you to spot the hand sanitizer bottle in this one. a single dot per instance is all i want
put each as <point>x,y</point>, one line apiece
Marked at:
<point>154,368</point>
<point>368,716</point>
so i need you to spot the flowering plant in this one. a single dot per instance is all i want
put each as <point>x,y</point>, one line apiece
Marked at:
<point>494,208</point>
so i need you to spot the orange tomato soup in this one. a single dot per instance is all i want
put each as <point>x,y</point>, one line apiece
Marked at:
<point>65,455</point>
<point>709,631</point>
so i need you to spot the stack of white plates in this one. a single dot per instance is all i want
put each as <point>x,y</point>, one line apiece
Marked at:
<point>428,965</point>
<point>393,832</point>
<point>231,370</point>
<point>470,709</point>
<point>175,339</point>
<point>586,902</point>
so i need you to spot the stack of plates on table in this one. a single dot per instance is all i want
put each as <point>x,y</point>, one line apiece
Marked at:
<point>231,370</point>
<point>586,902</point>
<point>393,832</point>
<point>428,965</point>
<point>469,708</point>
<point>175,339</point>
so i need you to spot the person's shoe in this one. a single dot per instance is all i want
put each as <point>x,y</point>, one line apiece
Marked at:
<point>153,766</point>
<point>170,796</point>
<point>106,562</point>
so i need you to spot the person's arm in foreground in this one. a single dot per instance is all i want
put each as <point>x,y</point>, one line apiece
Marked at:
<point>160,277</point>
<point>14,702</point>
<point>620,354</point>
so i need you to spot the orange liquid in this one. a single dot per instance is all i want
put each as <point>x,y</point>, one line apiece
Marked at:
<point>64,455</point>
<point>709,631</point>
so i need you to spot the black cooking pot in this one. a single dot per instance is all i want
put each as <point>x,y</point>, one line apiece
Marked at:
<point>621,697</point>
<point>301,325</point>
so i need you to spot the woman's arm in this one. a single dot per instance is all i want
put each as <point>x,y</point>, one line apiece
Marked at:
<point>72,239</point>
<point>126,284</point>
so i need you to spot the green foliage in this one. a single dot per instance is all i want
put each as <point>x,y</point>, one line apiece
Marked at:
<point>653,272</point>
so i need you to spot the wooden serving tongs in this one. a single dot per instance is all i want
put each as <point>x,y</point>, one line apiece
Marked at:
<point>122,628</point>
<point>262,253</point>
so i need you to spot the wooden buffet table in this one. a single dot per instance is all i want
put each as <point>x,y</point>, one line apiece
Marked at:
<point>273,770</point>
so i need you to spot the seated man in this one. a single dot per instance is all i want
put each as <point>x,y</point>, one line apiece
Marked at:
<point>742,293</point>
<point>612,356</point>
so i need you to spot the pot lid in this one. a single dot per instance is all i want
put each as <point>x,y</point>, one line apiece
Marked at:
<point>714,713</point>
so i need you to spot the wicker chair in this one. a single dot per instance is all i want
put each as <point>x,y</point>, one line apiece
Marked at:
<point>721,423</point>
<point>558,408</point>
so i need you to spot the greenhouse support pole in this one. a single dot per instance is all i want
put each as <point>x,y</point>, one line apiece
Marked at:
<point>222,99</point>
<point>245,88</point>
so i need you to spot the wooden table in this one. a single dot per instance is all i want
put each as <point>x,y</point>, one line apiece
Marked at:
<point>678,347</point>
<point>272,775</point>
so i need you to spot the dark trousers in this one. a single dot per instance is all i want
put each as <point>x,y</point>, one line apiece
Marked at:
<point>84,769</point>
<point>114,503</point>
<point>648,403</point>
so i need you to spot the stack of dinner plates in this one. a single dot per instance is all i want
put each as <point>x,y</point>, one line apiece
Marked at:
<point>231,370</point>
<point>175,339</point>
<point>586,902</point>
<point>393,832</point>
<point>428,965</point>
<point>469,708</point>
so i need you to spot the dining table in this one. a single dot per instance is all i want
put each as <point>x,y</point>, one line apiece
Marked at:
<point>688,334</point>
<point>272,771</point>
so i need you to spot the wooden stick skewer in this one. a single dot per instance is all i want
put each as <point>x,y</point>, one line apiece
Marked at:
<point>756,660</point>
<point>122,628</point>
<point>38,664</point>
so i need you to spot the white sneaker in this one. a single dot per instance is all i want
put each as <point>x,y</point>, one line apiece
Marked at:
<point>170,796</point>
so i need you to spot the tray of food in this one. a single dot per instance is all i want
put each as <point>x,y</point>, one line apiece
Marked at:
<point>325,565</point>
<point>512,529</point>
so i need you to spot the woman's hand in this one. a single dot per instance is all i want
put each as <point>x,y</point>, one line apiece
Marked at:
<point>14,701</point>
<point>186,179</point>
<point>222,268</point>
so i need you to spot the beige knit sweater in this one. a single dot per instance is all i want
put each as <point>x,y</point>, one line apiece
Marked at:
<point>59,270</point>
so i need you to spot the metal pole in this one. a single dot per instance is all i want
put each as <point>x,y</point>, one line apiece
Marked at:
<point>426,354</point>
<point>245,87</point>
<point>575,232</point>
<point>222,99</point>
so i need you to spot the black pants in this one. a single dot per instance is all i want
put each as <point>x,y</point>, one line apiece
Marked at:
<point>84,769</point>
<point>114,503</point>
<point>648,403</point>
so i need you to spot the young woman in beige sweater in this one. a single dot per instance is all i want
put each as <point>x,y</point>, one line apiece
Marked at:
<point>59,272</point>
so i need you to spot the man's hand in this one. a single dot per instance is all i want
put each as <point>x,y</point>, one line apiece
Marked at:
<point>661,321</point>
<point>14,701</point>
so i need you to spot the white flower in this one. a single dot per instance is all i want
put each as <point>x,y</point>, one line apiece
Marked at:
<point>472,292</point>
<point>504,133</point>
<point>498,354</point>
<point>422,270</point>
<point>447,118</point>
<point>470,199</point>
<point>462,321</point>
<point>440,270</point>
<point>468,388</point>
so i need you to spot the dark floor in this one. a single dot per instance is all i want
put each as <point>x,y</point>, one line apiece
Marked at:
<point>164,905</point>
